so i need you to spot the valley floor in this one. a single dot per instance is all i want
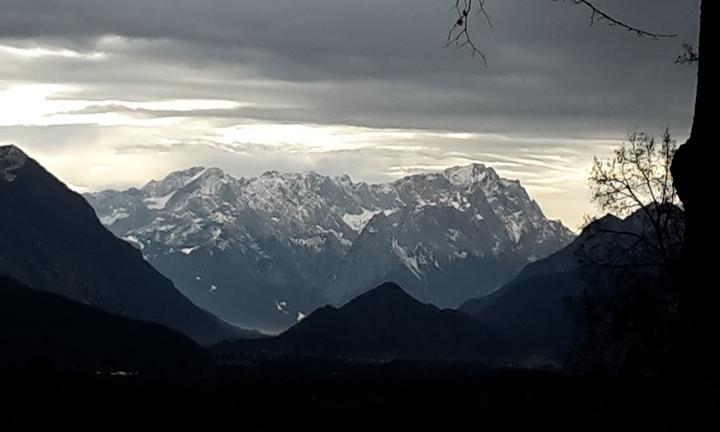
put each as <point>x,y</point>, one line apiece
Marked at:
<point>312,396</point>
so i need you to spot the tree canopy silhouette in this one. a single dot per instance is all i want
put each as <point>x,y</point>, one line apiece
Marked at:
<point>627,315</point>
<point>638,178</point>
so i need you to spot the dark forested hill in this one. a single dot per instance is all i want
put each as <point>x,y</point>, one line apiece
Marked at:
<point>382,324</point>
<point>535,310</point>
<point>45,330</point>
<point>51,240</point>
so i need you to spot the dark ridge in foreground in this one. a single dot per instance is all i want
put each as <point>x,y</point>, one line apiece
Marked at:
<point>381,325</point>
<point>52,241</point>
<point>535,309</point>
<point>41,330</point>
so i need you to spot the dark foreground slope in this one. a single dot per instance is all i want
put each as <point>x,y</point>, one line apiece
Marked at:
<point>47,331</point>
<point>341,396</point>
<point>51,240</point>
<point>536,309</point>
<point>380,325</point>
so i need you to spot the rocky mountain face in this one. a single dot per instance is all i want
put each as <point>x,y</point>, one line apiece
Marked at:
<point>52,241</point>
<point>266,251</point>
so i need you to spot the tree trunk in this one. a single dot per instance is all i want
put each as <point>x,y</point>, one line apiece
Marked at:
<point>696,182</point>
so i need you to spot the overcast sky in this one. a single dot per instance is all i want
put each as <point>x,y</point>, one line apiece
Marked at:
<point>114,93</point>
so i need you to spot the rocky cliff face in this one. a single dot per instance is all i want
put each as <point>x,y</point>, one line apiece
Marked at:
<point>268,250</point>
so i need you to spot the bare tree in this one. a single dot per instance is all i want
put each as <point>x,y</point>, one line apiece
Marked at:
<point>626,314</point>
<point>638,178</point>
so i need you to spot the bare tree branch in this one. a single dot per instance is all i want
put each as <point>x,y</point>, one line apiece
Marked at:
<point>597,15</point>
<point>460,37</point>
<point>638,178</point>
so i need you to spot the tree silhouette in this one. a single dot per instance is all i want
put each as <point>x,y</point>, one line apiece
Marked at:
<point>692,169</point>
<point>627,315</point>
<point>638,178</point>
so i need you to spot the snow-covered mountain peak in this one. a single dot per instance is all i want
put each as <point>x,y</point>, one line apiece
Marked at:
<point>272,174</point>
<point>172,182</point>
<point>344,180</point>
<point>308,202</point>
<point>469,175</point>
<point>210,178</point>
<point>286,181</point>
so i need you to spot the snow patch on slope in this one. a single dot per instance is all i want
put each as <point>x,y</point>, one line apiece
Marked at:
<point>189,250</point>
<point>116,215</point>
<point>358,222</point>
<point>409,261</point>
<point>158,203</point>
<point>134,241</point>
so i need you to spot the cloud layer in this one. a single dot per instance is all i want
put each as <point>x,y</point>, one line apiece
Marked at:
<point>109,94</point>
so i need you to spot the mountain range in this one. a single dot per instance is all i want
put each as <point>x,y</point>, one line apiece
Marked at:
<point>75,295</point>
<point>264,252</point>
<point>529,321</point>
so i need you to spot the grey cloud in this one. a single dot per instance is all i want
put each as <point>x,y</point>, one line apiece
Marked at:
<point>355,58</point>
<point>374,63</point>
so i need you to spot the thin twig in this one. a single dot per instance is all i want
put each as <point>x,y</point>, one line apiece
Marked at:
<point>460,37</point>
